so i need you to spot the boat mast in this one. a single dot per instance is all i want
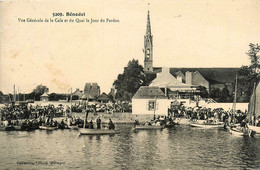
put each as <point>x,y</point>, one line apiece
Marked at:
<point>254,104</point>
<point>18,94</point>
<point>234,103</point>
<point>71,101</point>
<point>14,97</point>
<point>86,114</point>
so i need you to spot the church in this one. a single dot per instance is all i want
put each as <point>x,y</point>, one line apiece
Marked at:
<point>167,86</point>
<point>207,77</point>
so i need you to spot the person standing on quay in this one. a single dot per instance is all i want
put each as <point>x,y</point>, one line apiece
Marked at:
<point>98,123</point>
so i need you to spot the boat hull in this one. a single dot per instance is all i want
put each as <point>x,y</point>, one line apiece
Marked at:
<point>85,131</point>
<point>7,128</point>
<point>207,126</point>
<point>47,128</point>
<point>256,130</point>
<point>73,127</point>
<point>148,127</point>
<point>237,132</point>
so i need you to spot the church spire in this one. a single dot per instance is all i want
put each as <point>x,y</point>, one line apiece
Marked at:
<point>148,47</point>
<point>148,27</point>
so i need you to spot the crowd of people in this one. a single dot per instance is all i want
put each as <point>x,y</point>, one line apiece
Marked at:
<point>30,116</point>
<point>104,107</point>
<point>202,113</point>
<point>27,111</point>
<point>79,122</point>
<point>44,114</point>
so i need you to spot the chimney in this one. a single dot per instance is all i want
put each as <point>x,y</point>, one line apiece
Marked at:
<point>188,76</point>
<point>165,69</point>
<point>179,78</point>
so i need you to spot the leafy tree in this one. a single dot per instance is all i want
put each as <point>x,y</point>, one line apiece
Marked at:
<point>225,95</point>
<point>129,82</point>
<point>38,91</point>
<point>1,96</point>
<point>254,57</point>
<point>245,83</point>
<point>215,94</point>
<point>203,92</point>
<point>53,97</point>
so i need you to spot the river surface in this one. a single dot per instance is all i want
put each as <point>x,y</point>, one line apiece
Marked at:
<point>181,147</point>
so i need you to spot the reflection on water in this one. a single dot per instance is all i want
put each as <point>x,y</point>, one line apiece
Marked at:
<point>181,147</point>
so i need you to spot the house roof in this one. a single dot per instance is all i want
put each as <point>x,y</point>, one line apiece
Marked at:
<point>147,92</point>
<point>92,89</point>
<point>166,79</point>
<point>77,93</point>
<point>103,97</point>
<point>213,75</point>
<point>44,95</point>
<point>86,96</point>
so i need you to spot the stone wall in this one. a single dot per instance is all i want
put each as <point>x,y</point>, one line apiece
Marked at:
<point>116,117</point>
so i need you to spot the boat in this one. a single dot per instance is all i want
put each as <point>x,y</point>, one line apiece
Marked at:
<point>73,127</point>
<point>18,127</point>
<point>238,132</point>
<point>173,123</point>
<point>148,127</point>
<point>48,127</point>
<point>26,127</point>
<point>254,110</point>
<point>85,131</point>
<point>207,125</point>
<point>235,129</point>
<point>7,128</point>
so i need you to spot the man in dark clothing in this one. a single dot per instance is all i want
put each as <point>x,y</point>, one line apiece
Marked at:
<point>98,123</point>
<point>91,126</point>
<point>111,125</point>
<point>137,122</point>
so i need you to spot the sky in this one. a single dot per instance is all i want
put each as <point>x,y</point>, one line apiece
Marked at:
<point>67,55</point>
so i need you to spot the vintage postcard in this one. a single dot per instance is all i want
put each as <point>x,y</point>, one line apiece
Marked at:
<point>129,84</point>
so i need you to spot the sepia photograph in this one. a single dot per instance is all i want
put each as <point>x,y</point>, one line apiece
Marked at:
<point>140,84</point>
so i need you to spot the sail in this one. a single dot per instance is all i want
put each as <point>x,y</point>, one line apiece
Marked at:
<point>257,100</point>
<point>254,104</point>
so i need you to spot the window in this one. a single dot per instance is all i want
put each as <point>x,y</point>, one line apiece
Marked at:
<point>151,105</point>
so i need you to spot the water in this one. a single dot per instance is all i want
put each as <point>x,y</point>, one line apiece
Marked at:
<point>181,147</point>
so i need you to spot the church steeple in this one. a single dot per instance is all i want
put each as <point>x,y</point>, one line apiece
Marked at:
<point>148,27</point>
<point>148,47</point>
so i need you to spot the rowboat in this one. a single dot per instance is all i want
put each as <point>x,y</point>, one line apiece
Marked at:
<point>18,127</point>
<point>85,131</point>
<point>255,129</point>
<point>169,124</point>
<point>238,132</point>
<point>47,127</point>
<point>7,128</point>
<point>73,127</point>
<point>148,127</point>
<point>207,125</point>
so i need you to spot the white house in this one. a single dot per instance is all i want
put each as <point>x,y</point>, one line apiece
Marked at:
<point>150,100</point>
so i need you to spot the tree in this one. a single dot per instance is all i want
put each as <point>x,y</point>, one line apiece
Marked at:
<point>203,92</point>
<point>1,96</point>
<point>254,57</point>
<point>215,94</point>
<point>225,96</point>
<point>129,82</point>
<point>38,91</point>
<point>245,83</point>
